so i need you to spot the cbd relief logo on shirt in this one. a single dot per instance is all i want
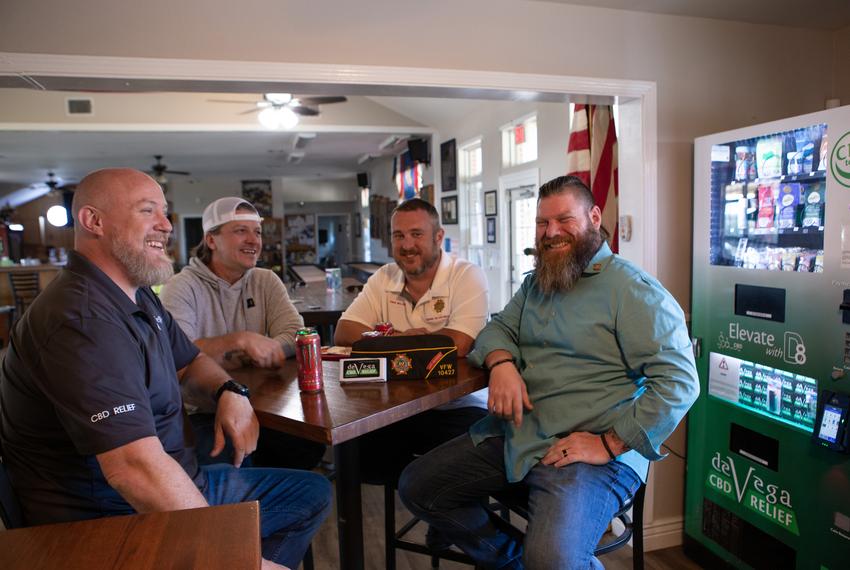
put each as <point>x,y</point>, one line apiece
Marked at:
<point>750,490</point>
<point>840,160</point>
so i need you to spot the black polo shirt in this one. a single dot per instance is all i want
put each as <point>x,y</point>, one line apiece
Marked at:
<point>88,371</point>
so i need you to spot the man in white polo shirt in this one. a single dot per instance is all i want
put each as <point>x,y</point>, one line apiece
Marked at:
<point>425,291</point>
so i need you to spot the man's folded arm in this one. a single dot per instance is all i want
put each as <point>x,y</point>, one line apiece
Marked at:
<point>656,345</point>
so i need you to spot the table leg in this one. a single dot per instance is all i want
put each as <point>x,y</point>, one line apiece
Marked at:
<point>348,505</point>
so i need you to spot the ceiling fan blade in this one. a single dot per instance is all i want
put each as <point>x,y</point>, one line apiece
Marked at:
<point>249,111</point>
<point>231,101</point>
<point>181,172</point>
<point>305,111</point>
<point>322,100</point>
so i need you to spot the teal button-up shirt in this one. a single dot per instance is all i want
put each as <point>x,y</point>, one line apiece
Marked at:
<point>612,352</point>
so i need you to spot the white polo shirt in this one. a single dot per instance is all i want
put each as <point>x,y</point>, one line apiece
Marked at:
<point>457,299</point>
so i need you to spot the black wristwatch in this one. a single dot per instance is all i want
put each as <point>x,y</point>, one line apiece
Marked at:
<point>232,386</point>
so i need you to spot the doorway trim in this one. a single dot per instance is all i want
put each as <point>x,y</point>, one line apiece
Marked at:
<point>131,74</point>
<point>508,182</point>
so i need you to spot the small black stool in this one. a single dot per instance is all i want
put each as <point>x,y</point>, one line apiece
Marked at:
<point>517,503</point>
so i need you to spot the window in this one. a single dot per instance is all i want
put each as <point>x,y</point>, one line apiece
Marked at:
<point>470,169</point>
<point>519,141</point>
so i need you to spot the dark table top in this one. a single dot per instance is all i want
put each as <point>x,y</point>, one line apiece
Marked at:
<point>223,537</point>
<point>343,412</point>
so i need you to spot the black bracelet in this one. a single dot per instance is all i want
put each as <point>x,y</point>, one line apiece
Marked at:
<point>607,448</point>
<point>498,362</point>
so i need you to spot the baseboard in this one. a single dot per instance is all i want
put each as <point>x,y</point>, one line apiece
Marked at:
<point>664,533</point>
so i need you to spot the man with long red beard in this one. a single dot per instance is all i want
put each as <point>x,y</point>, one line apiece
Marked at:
<point>91,413</point>
<point>591,369</point>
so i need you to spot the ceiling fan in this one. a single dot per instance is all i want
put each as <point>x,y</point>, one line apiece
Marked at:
<point>159,170</point>
<point>282,109</point>
<point>51,182</point>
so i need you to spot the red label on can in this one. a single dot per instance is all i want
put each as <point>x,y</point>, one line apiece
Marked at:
<point>385,329</point>
<point>308,353</point>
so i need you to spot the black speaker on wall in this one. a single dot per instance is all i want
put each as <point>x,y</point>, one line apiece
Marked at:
<point>363,179</point>
<point>418,149</point>
<point>67,201</point>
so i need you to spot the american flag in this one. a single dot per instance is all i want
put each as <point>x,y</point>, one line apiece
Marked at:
<point>592,156</point>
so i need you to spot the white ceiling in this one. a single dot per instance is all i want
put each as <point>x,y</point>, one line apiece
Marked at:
<point>28,156</point>
<point>816,14</point>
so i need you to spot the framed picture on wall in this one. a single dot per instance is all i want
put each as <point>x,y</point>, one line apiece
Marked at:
<point>427,193</point>
<point>449,210</point>
<point>491,230</point>
<point>259,193</point>
<point>448,166</point>
<point>490,204</point>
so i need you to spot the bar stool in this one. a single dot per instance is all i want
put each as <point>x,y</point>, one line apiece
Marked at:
<point>517,502</point>
<point>25,289</point>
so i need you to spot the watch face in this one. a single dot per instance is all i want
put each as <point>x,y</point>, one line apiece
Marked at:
<point>233,386</point>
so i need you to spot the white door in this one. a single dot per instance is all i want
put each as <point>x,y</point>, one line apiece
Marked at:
<point>523,212</point>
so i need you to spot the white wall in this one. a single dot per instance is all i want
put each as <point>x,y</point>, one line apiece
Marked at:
<point>839,70</point>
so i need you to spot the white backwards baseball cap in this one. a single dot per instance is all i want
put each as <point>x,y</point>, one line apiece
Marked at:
<point>223,210</point>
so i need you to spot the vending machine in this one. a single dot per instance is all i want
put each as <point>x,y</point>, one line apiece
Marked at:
<point>768,470</point>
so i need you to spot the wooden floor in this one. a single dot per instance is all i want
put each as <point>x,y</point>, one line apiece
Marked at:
<point>326,554</point>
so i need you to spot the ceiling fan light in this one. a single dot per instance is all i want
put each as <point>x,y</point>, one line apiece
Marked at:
<point>278,98</point>
<point>269,118</point>
<point>161,178</point>
<point>57,216</point>
<point>288,118</point>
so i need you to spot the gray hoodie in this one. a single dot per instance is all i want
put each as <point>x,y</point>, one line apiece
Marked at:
<point>206,305</point>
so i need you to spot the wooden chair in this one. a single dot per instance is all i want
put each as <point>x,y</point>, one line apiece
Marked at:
<point>25,289</point>
<point>516,502</point>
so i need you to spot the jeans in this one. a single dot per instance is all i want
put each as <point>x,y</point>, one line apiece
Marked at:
<point>293,505</point>
<point>569,507</point>
<point>385,452</point>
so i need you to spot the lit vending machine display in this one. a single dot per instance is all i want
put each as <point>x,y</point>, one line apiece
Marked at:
<point>768,198</point>
<point>768,475</point>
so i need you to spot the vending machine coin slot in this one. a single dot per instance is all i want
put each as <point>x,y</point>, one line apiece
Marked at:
<point>754,446</point>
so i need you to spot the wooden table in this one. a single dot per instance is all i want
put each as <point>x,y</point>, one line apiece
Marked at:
<point>339,415</point>
<point>310,273</point>
<point>364,270</point>
<point>222,537</point>
<point>322,308</point>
